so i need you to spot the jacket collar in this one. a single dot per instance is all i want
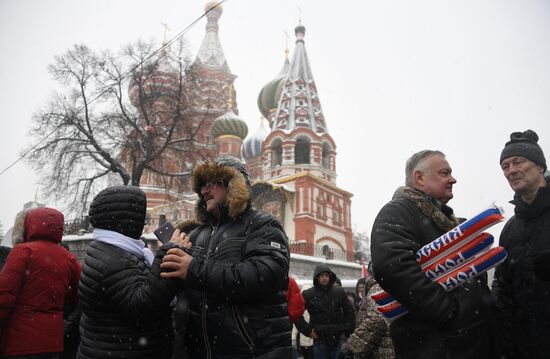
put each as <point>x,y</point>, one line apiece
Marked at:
<point>538,206</point>
<point>442,215</point>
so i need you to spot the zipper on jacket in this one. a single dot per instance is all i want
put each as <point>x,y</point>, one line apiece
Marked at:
<point>203,296</point>
<point>204,333</point>
<point>244,334</point>
<point>227,242</point>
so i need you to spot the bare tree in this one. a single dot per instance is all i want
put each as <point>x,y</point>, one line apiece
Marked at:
<point>117,117</point>
<point>361,246</point>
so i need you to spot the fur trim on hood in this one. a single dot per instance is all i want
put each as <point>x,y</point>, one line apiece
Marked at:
<point>38,224</point>
<point>238,193</point>
<point>18,232</point>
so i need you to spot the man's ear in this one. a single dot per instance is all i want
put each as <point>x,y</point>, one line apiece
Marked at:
<point>419,177</point>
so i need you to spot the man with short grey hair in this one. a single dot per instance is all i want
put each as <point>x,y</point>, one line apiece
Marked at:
<point>418,162</point>
<point>522,282</point>
<point>439,324</point>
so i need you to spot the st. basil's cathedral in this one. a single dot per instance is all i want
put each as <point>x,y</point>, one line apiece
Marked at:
<point>291,157</point>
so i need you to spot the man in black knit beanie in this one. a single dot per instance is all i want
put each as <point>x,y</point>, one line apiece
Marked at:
<point>522,282</point>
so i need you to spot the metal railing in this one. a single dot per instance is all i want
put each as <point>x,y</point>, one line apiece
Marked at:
<point>314,250</point>
<point>77,225</point>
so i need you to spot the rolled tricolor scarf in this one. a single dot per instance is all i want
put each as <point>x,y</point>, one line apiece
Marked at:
<point>453,258</point>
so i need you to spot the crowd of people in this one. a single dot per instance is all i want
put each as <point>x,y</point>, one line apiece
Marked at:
<point>220,287</point>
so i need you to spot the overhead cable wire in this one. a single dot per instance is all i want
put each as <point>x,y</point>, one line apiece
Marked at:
<point>164,46</point>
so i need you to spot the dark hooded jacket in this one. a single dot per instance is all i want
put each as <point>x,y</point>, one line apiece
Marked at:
<point>126,310</point>
<point>522,282</point>
<point>38,279</point>
<point>439,324</point>
<point>331,313</point>
<point>238,277</point>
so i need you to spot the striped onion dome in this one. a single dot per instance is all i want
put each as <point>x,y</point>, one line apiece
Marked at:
<point>269,96</point>
<point>252,145</point>
<point>229,124</point>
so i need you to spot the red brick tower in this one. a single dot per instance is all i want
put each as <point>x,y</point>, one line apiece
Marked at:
<point>203,95</point>
<point>299,160</point>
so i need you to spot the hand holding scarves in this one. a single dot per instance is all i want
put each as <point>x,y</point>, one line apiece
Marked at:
<point>461,254</point>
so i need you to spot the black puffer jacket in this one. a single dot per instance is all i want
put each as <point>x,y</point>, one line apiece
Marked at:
<point>331,313</point>
<point>125,305</point>
<point>237,279</point>
<point>439,324</point>
<point>522,282</point>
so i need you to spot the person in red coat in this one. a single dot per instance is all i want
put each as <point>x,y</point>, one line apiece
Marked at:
<point>295,300</point>
<point>38,278</point>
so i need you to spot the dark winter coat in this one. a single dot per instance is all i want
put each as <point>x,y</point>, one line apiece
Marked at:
<point>331,314</point>
<point>125,305</point>
<point>238,277</point>
<point>439,324</point>
<point>39,277</point>
<point>371,337</point>
<point>522,282</point>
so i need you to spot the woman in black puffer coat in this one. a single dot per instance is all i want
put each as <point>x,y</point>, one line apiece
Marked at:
<point>126,310</point>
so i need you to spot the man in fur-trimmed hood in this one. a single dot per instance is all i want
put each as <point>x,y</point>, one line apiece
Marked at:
<point>225,181</point>
<point>236,272</point>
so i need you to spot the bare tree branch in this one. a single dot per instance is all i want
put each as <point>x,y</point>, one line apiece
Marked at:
<point>110,122</point>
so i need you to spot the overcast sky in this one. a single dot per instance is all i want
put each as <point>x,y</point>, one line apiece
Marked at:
<point>394,77</point>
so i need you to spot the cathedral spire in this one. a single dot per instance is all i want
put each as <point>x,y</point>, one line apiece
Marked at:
<point>211,52</point>
<point>299,105</point>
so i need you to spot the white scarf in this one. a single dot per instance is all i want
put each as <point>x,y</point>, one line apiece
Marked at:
<point>135,246</point>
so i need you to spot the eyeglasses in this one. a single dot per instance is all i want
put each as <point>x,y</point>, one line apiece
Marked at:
<point>209,185</point>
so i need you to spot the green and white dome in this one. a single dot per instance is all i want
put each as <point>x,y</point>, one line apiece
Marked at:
<point>269,96</point>
<point>229,124</point>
